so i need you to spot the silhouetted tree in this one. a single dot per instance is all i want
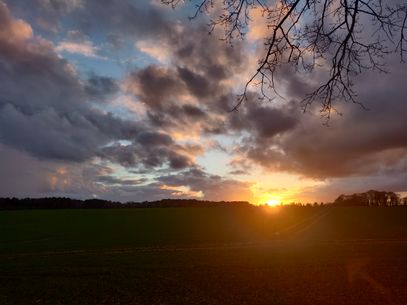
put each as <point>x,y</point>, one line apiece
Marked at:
<point>370,198</point>
<point>347,36</point>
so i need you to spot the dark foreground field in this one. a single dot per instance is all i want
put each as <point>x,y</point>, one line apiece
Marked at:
<point>204,256</point>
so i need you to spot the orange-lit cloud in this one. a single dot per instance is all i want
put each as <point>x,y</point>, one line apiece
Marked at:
<point>85,48</point>
<point>258,27</point>
<point>13,30</point>
<point>155,49</point>
<point>181,191</point>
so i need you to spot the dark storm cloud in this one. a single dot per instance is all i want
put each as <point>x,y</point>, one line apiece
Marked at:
<point>204,63</point>
<point>111,180</point>
<point>162,88</point>
<point>212,58</point>
<point>17,172</point>
<point>360,143</point>
<point>47,135</point>
<point>154,139</point>
<point>101,87</point>
<point>118,18</point>
<point>224,190</point>
<point>197,84</point>
<point>151,150</point>
<point>47,117</point>
<point>194,93</point>
<point>54,118</point>
<point>193,177</point>
<point>143,156</point>
<point>34,66</point>
<point>199,61</point>
<point>189,183</point>
<point>269,122</point>
<point>263,120</point>
<point>156,86</point>
<point>193,111</point>
<point>86,180</point>
<point>131,18</point>
<point>179,161</point>
<point>25,176</point>
<point>212,186</point>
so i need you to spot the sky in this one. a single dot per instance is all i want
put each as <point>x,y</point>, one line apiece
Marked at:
<point>130,101</point>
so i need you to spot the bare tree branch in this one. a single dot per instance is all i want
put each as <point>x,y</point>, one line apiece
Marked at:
<point>347,36</point>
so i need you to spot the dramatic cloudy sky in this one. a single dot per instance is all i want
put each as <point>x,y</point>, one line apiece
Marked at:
<point>130,100</point>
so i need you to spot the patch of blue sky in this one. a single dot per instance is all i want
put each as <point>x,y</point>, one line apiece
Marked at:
<point>215,162</point>
<point>118,142</point>
<point>225,140</point>
<point>116,65</point>
<point>118,170</point>
<point>119,109</point>
<point>121,112</point>
<point>101,66</point>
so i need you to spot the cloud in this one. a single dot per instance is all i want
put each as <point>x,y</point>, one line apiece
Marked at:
<point>121,18</point>
<point>111,180</point>
<point>154,151</point>
<point>17,172</point>
<point>193,95</point>
<point>359,143</point>
<point>155,49</point>
<point>78,43</point>
<point>85,48</point>
<point>101,88</point>
<point>155,86</point>
<point>61,6</point>
<point>55,120</point>
<point>258,28</point>
<point>213,187</point>
<point>53,117</point>
<point>86,180</point>
<point>262,120</point>
<point>182,191</point>
<point>25,176</point>
<point>13,30</point>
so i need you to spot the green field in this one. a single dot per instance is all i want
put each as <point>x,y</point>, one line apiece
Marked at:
<point>322,255</point>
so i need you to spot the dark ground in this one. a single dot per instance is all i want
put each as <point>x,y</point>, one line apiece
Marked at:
<point>204,256</point>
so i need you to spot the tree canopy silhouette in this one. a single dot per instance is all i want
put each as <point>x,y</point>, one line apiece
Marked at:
<point>344,36</point>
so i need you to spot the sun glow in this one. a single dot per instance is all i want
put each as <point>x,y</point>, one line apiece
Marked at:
<point>273,202</point>
<point>269,199</point>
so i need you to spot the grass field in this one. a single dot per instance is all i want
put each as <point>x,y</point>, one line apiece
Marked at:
<point>323,255</point>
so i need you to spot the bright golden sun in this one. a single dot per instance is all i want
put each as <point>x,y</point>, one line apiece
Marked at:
<point>273,202</point>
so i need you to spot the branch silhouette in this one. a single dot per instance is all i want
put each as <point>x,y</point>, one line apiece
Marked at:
<point>344,36</point>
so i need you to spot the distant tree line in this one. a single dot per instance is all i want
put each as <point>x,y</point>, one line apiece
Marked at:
<point>68,203</point>
<point>307,204</point>
<point>371,198</point>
